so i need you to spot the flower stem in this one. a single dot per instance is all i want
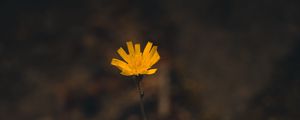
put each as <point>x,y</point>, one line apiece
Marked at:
<point>138,80</point>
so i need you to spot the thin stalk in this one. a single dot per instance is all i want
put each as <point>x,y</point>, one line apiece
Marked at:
<point>138,80</point>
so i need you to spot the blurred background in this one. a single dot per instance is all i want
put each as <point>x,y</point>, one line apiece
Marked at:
<point>220,59</point>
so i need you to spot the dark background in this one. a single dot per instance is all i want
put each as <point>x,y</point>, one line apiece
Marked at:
<point>220,59</point>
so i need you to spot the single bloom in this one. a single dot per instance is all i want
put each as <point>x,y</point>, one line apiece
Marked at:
<point>137,62</point>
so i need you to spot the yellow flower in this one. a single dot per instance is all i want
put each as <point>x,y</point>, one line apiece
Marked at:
<point>136,62</point>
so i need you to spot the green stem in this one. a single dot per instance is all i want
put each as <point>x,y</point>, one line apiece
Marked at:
<point>138,80</point>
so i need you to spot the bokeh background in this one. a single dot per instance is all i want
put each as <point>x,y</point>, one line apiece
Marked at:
<point>220,59</point>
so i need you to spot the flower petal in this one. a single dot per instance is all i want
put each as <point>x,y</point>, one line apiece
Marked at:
<point>130,48</point>
<point>137,49</point>
<point>151,71</point>
<point>120,64</point>
<point>147,59</point>
<point>153,50</point>
<point>147,49</point>
<point>154,58</point>
<point>126,73</point>
<point>123,54</point>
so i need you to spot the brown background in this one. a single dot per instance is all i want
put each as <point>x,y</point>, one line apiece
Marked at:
<point>220,59</point>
